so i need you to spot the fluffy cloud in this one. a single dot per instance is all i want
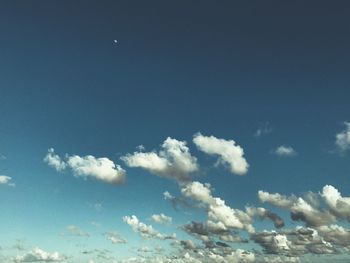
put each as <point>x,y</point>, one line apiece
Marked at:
<point>218,211</point>
<point>101,169</point>
<point>162,219</point>
<point>229,153</point>
<point>6,180</point>
<point>39,255</point>
<point>300,209</point>
<point>342,139</point>
<point>146,231</point>
<point>285,151</point>
<point>173,161</point>
<point>339,206</point>
<point>54,160</point>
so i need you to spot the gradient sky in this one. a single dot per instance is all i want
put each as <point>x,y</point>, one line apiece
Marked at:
<point>270,75</point>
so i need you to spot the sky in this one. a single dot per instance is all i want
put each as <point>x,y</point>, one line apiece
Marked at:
<point>174,131</point>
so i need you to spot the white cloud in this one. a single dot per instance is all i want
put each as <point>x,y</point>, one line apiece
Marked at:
<point>146,231</point>
<point>342,139</point>
<point>285,151</point>
<point>54,160</point>
<point>173,161</point>
<point>229,153</point>
<point>102,169</point>
<point>340,206</point>
<point>218,211</point>
<point>162,219</point>
<point>39,255</point>
<point>6,180</point>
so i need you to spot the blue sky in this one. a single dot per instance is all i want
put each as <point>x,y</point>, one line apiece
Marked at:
<point>262,85</point>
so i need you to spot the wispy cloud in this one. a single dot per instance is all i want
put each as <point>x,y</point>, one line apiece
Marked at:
<point>342,139</point>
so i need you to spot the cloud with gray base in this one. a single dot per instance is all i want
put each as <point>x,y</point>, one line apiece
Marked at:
<point>228,152</point>
<point>174,161</point>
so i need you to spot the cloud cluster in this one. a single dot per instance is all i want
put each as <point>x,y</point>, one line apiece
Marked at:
<point>228,152</point>
<point>39,255</point>
<point>319,212</point>
<point>174,161</point>
<point>88,166</point>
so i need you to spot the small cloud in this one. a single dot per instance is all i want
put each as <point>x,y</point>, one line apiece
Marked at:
<point>263,130</point>
<point>342,139</point>
<point>54,160</point>
<point>162,219</point>
<point>76,231</point>
<point>283,150</point>
<point>115,238</point>
<point>6,180</point>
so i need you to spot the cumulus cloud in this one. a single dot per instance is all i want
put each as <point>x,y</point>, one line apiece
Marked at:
<point>283,150</point>
<point>300,209</point>
<point>39,255</point>
<point>162,219</point>
<point>102,169</point>
<point>339,206</point>
<point>6,180</point>
<point>145,231</point>
<point>54,160</point>
<point>342,139</point>
<point>173,161</point>
<point>228,152</point>
<point>217,209</point>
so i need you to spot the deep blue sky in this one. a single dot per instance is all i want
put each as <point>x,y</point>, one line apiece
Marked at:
<point>180,67</point>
